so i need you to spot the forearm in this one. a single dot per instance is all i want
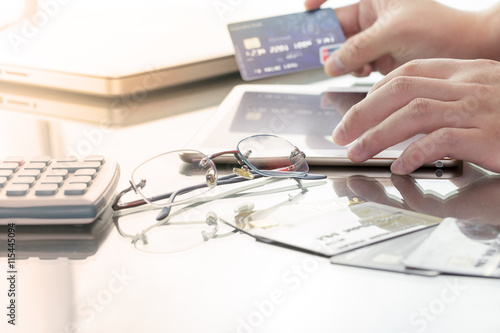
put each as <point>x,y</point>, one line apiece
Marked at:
<point>463,34</point>
<point>490,33</point>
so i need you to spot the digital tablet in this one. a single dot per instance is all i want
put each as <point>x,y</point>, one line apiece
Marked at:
<point>304,115</point>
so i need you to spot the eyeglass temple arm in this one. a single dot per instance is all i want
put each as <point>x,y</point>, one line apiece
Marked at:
<point>196,158</point>
<point>232,152</point>
<point>116,205</point>
<point>230,179</point>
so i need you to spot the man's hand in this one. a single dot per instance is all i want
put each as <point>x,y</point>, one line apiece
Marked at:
<point>455,103</point>
<point>384,34</point>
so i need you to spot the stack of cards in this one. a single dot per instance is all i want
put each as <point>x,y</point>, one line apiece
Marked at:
<point>285,44</point>
<point>453,247</point>
<point>460,247</point>
<point>388,255</point>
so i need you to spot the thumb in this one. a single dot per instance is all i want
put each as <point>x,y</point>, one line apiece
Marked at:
<point>313,4</point>
<point>359,50</point>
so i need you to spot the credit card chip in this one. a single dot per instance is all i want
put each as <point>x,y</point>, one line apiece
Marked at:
<point>252,43</point>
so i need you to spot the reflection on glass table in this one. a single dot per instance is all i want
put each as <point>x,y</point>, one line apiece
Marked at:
<point>70,241</point>
<point>476,200</point>
<point>198,222</point>
<point>113,112</point>
<point>463,243</point>
<point>129,110</point>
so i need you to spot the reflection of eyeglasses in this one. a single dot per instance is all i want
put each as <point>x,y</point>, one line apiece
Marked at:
<point>195,173</point>
<point>195,223</point>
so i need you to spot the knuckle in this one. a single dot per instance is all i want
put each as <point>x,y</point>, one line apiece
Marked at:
<point>479,71</point>
<point>399,85</point>
<point>448,138</point>
<point>483,97</point>
<point>412,67</point>
<point>420,108</point>
<point>482,63</point>
<point>355,43</point>
<point>354,48</point>
<point>414,158</point>
<point>375,138</point>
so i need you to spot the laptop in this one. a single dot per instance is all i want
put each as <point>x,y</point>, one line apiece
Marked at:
<point>119,47</point>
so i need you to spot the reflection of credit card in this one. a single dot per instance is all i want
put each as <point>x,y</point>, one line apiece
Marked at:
<point>285,44</point>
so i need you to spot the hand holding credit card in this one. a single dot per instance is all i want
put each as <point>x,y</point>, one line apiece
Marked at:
<point>285,44</point>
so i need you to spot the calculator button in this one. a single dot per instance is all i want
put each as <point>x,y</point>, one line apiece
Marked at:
<point>19,160</point>
<point>75,189</point>
<point>29,173</point>
<point>52,180</point>
<point>94,158</point>
<point>73,166</point>
<point>3,181</point>
<point>6,173</point>
<point>81,180</point>
<point>35,166</point>
<point>86,172</point>
<point>57,173</point>
<point>41,159</point>
<point>25,180</point>
<point>17,190</point>
<point>46,189</point>
<point>67,159</point>
<point>9,166</point>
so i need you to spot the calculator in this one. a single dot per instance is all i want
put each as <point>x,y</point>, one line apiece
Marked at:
<point>46,190</point>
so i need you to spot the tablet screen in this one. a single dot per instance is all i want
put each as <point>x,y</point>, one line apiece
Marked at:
<point>304,115</point>
<point>290,113</point>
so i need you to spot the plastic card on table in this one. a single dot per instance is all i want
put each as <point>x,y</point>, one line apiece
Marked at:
<point>387,255</point>
<point>313,220</point>
<point>460,247</point>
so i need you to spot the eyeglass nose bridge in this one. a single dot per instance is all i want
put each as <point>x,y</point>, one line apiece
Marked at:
<point>244,172</point>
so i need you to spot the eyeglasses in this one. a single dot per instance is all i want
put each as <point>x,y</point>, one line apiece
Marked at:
<point>194,174</point>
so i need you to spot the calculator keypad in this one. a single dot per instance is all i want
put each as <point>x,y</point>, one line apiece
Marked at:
<point>66,190</point>
<point>46,177</point>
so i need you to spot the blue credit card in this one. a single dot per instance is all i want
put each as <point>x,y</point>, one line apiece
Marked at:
<point>285,44</point>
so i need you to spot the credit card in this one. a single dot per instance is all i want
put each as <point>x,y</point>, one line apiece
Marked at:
<point>285,44</point>
<point>460,247</point>
<point>387,255</point>
<point>325,226</point>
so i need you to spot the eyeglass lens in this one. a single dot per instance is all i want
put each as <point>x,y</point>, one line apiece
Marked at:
<point>273,156</point>
<point>167,173</point>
